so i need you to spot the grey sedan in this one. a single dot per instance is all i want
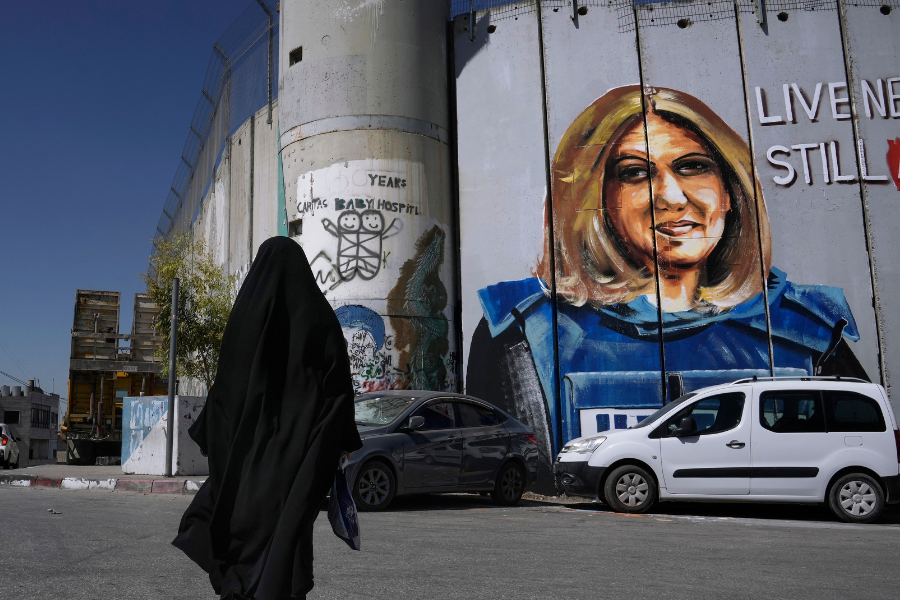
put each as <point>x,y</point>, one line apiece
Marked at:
<point>417,442</point>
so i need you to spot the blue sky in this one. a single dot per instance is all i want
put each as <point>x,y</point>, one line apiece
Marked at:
<point>96,98</point>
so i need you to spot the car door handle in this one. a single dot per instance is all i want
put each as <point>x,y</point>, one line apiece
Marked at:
<point>735,444</point>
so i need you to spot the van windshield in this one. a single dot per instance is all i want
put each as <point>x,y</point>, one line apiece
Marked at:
<point>665,410</point>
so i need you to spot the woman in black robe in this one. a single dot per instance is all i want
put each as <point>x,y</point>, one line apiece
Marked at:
<point>276,421</point>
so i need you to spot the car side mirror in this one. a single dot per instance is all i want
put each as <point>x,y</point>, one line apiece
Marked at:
<point>416,422</point>
<point>687,427</point>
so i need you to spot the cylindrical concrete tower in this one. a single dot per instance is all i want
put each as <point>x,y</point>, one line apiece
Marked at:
<point>367,177</point>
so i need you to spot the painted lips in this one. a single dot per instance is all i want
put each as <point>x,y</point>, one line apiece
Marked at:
<point>676,228</point>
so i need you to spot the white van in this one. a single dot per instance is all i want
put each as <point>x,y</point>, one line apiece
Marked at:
<point>804,439</point>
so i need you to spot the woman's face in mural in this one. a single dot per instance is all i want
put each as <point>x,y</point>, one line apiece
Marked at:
<point>689,194</point>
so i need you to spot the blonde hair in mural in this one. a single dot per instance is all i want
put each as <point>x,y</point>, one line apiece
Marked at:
<point>592,261</point>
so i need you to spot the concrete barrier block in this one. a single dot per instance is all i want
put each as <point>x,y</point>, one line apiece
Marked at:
<point>186,456</point>
<point>144,433</point>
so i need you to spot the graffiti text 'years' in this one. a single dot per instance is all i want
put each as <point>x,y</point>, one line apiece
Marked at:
<point>386,181</point>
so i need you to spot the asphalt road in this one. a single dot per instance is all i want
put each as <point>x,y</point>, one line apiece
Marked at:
<point>111,545</point>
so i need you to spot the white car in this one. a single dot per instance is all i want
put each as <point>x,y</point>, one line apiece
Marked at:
<point>809,439</point>
<point>9,451</point>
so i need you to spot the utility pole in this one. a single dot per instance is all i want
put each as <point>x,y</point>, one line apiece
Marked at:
<point>173,349</point>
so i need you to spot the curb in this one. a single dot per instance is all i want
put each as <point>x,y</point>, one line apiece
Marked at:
<point>145,486</point>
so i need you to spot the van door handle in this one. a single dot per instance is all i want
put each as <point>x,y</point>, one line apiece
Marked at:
<point>735,444</point>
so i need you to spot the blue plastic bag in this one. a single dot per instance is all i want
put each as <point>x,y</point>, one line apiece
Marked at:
<point>342,509</point>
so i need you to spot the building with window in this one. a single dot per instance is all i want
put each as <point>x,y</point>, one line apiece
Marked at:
<point>33,416</point>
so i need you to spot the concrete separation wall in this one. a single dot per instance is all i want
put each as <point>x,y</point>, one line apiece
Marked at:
<point>613,257</point>
<point>653,197</point>
<point>367,181</point>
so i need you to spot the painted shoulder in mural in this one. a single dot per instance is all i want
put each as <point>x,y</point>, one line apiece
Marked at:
<point>657,243</point>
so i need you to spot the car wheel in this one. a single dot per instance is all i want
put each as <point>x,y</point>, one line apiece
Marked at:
<point>5,464</point>
<point>630,489</point>
<point>510,485</point>
<point>856,498</point>
<point>375,487</point>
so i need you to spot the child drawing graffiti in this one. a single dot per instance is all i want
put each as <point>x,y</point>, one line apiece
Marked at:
<point>359,242</point>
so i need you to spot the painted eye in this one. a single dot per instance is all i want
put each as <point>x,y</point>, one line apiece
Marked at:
<point>632,173</point>
<point>693,167</point>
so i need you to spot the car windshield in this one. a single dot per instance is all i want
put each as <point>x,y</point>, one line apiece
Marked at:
<point>664,411</point>
<point>380,410</point>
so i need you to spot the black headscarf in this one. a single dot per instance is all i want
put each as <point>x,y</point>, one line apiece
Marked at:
<point>275,423</point>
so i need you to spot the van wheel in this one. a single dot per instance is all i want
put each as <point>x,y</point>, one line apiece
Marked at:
<point>856,498</point>
<point>630,489</point>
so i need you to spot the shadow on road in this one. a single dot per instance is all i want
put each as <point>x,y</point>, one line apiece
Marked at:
<point>775,512</point>
<point>453,502</point>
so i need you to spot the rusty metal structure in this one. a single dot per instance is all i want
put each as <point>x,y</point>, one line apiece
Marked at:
<point>103,371</point>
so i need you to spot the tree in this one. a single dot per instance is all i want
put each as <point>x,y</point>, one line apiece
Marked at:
<point>206,293</point>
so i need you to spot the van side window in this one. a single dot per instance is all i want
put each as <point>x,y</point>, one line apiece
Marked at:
<point>849,411</point>
<point>792,412</point>
<point>712,414</point>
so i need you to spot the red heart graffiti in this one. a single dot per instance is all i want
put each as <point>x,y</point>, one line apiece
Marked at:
<point>893,161</point>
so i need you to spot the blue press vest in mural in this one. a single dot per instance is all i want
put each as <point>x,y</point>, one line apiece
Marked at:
<point>609,356</point>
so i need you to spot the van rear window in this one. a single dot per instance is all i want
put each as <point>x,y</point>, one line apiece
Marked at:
<point>849,411</point>
<point>815,411</point>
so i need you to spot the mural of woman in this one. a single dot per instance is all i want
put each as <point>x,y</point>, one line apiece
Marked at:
<point>693,212</point>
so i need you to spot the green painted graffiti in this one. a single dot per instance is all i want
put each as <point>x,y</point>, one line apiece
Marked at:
<point>416,305</point>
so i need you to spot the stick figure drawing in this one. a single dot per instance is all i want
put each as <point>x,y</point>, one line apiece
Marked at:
<point>359,242</point>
